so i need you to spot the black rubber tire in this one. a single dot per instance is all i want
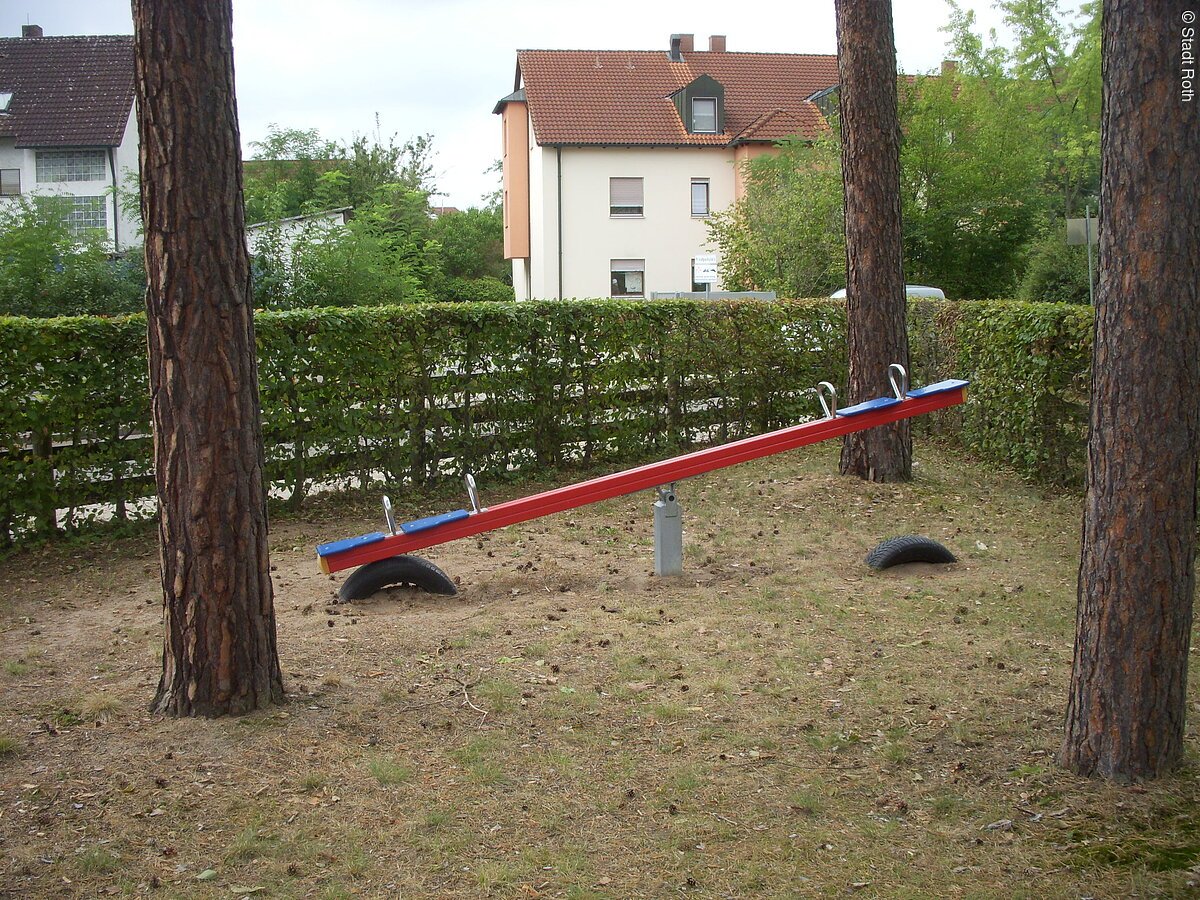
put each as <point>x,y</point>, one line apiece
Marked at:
<point>908,548</point>
<point>420,573</point>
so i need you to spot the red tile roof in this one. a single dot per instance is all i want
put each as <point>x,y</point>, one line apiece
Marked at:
<point>624,96</point>
<point>67,91</point>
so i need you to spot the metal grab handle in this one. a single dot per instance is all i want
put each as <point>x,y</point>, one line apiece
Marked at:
<point>900,388</point>
<point>387,514</point>
<point>472,491</point>
<point>829,406</point>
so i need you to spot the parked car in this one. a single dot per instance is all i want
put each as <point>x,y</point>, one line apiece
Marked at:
<point>911,290</point>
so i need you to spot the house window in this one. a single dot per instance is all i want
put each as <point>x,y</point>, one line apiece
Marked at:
<point>699,196</point>
<point>10,182</point>
<point>628,277</point>
<point>704,115</point>
<point>625,197</point>
<point>86,214</point>
<point>70,165</point>
<point>697,286</point>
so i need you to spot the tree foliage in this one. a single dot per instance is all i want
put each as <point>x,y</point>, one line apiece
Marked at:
<point>296,171</point>
<point>786,234</point>
<point>369,262</point>
<point>970,184</point>
<point>1055,272</point>
<point>995,154</point>
<point>472,242</point>
<point>394,251</point>
<point>46,270</point>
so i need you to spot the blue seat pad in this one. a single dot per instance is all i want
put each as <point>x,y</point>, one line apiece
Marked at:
<point>940,387</point>
<point>335,547</point>
<point>868,406</point>
<point>433,521</point>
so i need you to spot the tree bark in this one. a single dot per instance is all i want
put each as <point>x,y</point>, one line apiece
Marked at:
<point>1126,708</point>
<point>875,300</point>
<point>219,653</point>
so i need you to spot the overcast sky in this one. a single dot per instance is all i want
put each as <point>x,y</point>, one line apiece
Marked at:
<point>439,66</point>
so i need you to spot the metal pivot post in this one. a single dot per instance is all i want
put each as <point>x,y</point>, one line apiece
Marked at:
<point>668,533</point>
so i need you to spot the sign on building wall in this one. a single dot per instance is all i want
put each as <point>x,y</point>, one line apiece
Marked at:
<point>706,268</point>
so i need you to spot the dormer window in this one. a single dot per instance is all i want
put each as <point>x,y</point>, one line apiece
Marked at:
<point>5,99</point>
<point>704,115</point>
<point>701,105</point>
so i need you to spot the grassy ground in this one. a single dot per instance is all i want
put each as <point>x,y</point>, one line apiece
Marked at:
<point>779,722</point>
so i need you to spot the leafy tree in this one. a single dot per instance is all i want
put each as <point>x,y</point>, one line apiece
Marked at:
<point>296,171</point>
<point>472,242</point>
<point>367,263</point>
<point>46,270</point>
<point>416,164</point>
<point>363,169</point>
<point>992,154</point>
<point>286,167</point>
<point>786,234</point>
<point>495,199</point>
<point>971,183</point>
<point>1050,95</point>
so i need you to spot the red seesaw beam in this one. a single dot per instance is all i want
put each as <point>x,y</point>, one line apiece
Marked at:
<point>647,476</point>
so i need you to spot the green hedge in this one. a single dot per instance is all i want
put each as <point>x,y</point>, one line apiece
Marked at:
<point>401,395</point>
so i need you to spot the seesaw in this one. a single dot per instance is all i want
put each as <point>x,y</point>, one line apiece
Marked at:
<point>383,557</point>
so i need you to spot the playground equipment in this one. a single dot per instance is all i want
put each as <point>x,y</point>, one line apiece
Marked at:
<point>384,558</point>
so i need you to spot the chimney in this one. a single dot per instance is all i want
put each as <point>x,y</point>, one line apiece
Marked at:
<point>30,31</point>
<point>949,66</point>
<point>676,47</point>
<point>687,43</point>
<point>716,43</point>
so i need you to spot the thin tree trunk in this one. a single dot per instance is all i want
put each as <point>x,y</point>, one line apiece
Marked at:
<point>875,313</point>
<point>219,653</point>
<point>1126,709</point>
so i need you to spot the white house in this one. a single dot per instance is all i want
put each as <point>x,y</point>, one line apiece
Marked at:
<point>287,231</point>
<point>614,159</point>
<point>67,126</point>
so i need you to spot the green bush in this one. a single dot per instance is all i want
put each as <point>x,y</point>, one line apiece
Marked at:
<point>45,270</point>
<point>475,290</point>
<point>362,264</point>
<point>1057,272</point>
<point>1030,368</point>
<point>421,392</point>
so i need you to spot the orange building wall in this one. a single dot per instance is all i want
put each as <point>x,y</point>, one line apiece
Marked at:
<point>515,127</point>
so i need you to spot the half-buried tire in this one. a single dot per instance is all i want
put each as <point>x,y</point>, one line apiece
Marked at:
<point>413,570</point>
<point>908,548</point>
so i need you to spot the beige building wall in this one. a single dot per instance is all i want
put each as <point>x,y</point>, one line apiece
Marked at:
<point>666,236</point>
<point>542,222</point>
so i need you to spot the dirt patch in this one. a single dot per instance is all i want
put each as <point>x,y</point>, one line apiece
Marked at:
<point>780,721</point>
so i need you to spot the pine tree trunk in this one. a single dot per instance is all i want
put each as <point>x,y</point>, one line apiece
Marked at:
<point>1126,709</point>
<point>875,299</point>
<point>219,653</point>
